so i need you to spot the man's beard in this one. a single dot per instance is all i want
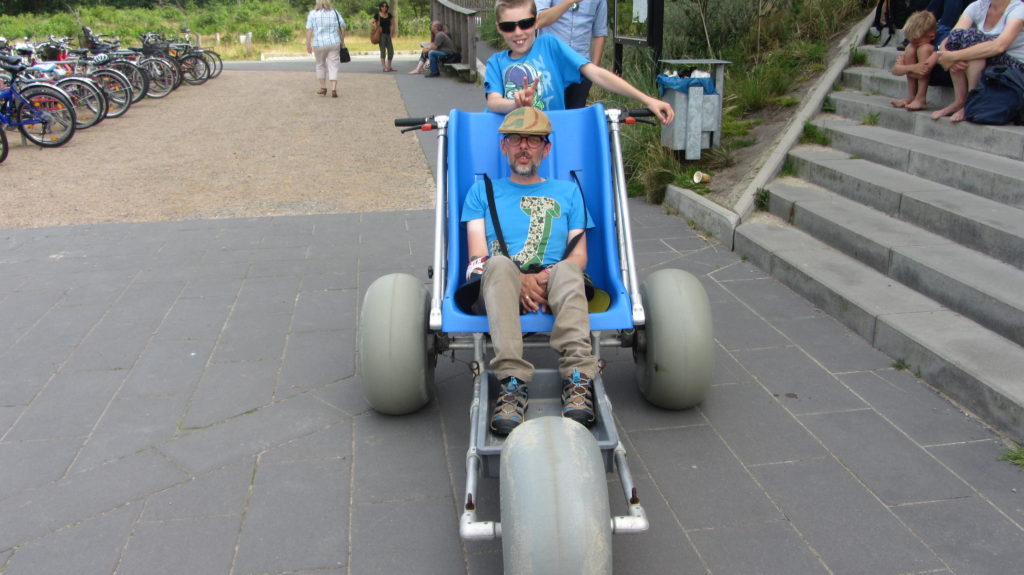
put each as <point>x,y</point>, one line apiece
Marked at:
<point>522,170</point>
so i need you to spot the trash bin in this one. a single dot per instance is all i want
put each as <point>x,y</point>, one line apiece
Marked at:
<point>697,101</point>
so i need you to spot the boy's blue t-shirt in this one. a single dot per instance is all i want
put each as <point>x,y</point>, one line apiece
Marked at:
<point>535,219</point>
<point>554,61</point>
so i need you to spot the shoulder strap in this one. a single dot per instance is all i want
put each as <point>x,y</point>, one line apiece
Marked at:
<point>572,243</point>
<point>494,215</point>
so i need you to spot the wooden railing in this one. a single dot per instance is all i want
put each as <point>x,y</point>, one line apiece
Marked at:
<point>462,24</point>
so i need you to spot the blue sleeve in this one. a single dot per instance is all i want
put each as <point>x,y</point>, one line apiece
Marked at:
<point>492,77</point>
<point>475,205</point>
<point>601,20</point>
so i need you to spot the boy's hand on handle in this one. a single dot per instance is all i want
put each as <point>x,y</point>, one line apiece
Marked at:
<point>662,110</point>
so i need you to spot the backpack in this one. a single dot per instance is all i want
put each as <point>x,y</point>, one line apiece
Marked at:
<point>895,13</point>
<point>999,97</point>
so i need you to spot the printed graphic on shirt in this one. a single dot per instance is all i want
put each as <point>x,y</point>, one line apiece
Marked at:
<point>541,211</point>
<point>520,74</point>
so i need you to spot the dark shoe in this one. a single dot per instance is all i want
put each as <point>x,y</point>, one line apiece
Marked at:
<point>510,408</point>
<point>334,93</point>
<point>578,399</point>
<point>321,92</point>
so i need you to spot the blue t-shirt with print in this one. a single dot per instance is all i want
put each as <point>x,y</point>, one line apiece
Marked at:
<point>535,219</point>
<point>554,61</point>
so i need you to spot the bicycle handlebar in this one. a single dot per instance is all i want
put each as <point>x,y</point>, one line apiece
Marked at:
<point>410,122</point>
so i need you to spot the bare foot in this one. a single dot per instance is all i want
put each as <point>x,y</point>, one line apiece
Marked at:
<point>954,107</point>
<point>917,105</point>
<point>958,116</point>
<point>899,103</point>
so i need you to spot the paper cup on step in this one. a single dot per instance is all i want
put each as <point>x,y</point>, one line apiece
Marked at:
<point>701,178</point>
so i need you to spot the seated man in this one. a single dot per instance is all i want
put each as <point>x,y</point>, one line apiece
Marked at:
<point>532,260</point>
<point>441,49</point>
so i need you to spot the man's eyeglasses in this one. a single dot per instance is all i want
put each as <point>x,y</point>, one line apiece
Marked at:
<point>524,24</point>
<point>532,140</point>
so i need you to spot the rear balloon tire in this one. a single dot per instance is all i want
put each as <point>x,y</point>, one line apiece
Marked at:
<point>675,350</point>
<point>396,358</point>
<point>555,517</point>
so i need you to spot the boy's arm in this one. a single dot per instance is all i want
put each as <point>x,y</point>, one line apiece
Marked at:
<point>548,16</point>
<point>609,81</point>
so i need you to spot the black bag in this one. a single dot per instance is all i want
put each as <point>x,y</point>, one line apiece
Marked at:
<point>999,97</point>
<point>344,55</point>
<point>894,14</point>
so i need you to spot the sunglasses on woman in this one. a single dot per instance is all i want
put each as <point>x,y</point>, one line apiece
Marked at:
<point>524,24</point>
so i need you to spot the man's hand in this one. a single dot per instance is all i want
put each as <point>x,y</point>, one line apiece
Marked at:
<point>524,97</point>
<point>534,293</point>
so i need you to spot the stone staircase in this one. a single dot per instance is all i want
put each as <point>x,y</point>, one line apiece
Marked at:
<point>911,232</point>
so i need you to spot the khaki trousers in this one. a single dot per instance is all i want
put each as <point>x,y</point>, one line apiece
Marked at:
<point>567,300</point>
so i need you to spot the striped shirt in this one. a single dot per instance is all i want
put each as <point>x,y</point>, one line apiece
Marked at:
<point>324,24</point>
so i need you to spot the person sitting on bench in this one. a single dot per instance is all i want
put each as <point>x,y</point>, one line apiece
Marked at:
<point>527,240</point>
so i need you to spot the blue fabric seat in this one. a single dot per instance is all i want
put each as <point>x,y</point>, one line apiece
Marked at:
<point>579,144</point>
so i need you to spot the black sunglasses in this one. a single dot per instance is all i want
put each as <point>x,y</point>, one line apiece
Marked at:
<point>524,24</point>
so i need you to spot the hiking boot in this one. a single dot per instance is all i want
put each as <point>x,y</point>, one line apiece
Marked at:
<point>578,399</point>
<point>510,407</point>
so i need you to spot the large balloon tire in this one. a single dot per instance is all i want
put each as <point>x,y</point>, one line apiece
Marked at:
<point>396,360</point>
<point>555,517</point>
<point>675,350</point>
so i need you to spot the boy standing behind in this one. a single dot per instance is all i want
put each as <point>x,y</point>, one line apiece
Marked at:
<point>920,30</point>
<point>535,71</point>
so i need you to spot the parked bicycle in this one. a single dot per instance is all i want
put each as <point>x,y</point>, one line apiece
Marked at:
<point>44,114</point>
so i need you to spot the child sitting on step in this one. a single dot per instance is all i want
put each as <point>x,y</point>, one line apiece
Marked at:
<point>916,62</point>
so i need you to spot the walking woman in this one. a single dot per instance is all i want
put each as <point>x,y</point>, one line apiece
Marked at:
<point>388,23</point>
<point>325,36</point>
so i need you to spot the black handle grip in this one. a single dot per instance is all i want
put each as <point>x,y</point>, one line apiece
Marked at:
<point>410,122</point>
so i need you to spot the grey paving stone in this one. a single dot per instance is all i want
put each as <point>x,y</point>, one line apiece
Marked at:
<point>168,367</point>
<point>69,405</point>
<point>403,537</point>
<point>324,310</point>
<point>838,349</point>
<point>399,458</point>
<point>250,433</point>
<point>755,427</point>
<point>286,529</point>
<point>161,547</point>
<point>754,333</point>
<point>228,390</point>
<point>664,548</point>
<point>913,407</point>
<point>84,494</point>
<point>252,337</point>
<point>703,481</point>
<point>315,359</point>
<point>128,426</point>
<point>1001,484</point>
<point>345,396</point>
<point>197,318</point>
<point>90,547</point>
<point>332,443</point>
<point>898,473</point>
<point>968,534</point>
<point>772,548</point>
<point>28,464</point>
<point>848,527</point>
<point>768,298</point>
<point>799,382</point>
<point>632,411</point>
<point>220,493</point>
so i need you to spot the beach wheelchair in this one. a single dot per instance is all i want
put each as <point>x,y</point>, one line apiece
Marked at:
<point>555,514</point>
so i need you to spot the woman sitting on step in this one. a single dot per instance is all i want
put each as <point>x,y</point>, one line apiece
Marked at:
<point>988,32</point>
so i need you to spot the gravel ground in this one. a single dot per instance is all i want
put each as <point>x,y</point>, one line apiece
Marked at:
<point>245,144</point>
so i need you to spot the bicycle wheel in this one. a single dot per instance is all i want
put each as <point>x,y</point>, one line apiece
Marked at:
<point>3,144</point>
<point>117,89</point>
<point>88,99</point>
<point>137,76</point>
<point>213,62</point>
<point>45,115</point>
<point>161,76</point>
<point>193,69</point>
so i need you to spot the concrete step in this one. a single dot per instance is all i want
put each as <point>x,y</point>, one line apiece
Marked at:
<point>878,81</point>
<point>973,365</point>
<point>984,225</point>
<point>986,175</point>
<point>968,282</point>
<point>1006,141</point>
